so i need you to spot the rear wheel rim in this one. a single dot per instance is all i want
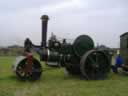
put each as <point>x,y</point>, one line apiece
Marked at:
<point>94,65</point>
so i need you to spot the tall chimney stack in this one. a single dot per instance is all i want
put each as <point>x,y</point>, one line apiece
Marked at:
<point>44,19</point>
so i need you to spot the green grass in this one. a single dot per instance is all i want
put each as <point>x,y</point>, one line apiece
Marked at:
<point>54,82</point>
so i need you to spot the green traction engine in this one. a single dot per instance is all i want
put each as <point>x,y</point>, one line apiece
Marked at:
<point>78,58</point>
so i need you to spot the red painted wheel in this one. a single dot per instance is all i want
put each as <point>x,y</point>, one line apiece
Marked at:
<point>35,73</point>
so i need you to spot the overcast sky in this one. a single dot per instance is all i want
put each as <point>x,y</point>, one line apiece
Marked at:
<point>103,20</point>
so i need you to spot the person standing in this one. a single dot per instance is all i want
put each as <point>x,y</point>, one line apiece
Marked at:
<point>118,63</point>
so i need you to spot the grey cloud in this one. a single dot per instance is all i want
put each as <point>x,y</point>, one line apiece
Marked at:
<point>103,20</point>
<point>17,5</point>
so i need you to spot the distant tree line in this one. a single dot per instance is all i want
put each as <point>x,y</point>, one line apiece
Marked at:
<point>16,50</point>
<point>11,50</point>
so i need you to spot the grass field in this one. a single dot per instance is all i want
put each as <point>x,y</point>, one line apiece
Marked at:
<point>55,83</point>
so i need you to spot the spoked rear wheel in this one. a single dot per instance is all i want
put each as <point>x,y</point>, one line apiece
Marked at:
<point>33,75</point>
<point>94,65</point>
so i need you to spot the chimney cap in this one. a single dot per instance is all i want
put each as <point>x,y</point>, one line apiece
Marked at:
<point>44,17</point>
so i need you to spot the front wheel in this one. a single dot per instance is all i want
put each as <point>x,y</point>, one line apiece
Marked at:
<point>35,73</point>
